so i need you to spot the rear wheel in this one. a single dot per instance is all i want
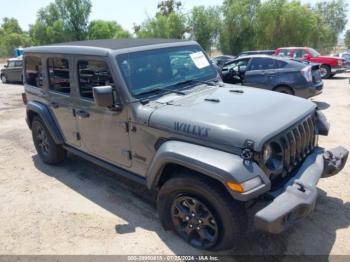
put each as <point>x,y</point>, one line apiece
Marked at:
<point>284,90</point>
<point>201,213</point>
<point>48,150</point>
<point>3,79</point>
<point>325,71</point>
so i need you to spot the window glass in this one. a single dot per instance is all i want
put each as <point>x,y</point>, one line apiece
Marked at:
<point>33,71</point>
<point>93,73</point>
<point>280,64</point>
<point>299,53</point>
<point>262,64</point>
<point>58,71</point>
<point>18,64</point>
<point>284,52</point>
<point>11,64</point>
<point>149,71</point>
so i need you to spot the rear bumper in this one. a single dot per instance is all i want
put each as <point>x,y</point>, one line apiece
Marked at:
<point>313,89</point>
<point>299,198</point>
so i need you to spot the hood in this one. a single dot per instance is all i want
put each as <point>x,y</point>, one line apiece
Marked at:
<point>230,118</point>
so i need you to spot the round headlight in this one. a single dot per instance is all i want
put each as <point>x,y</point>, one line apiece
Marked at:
<point>273,156</point>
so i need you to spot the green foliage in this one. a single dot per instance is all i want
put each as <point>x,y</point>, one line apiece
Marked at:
<point>205,25</point>
<point>237,32</point>
<point>11,36</point>
<point>100,29</point>
<point>62,20</point>
<point>169,22</point>
<point>347,38</point>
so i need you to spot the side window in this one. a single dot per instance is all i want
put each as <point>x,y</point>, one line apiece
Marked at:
<point>299,53</point>
<point>92,73</point>
<point>11,64</point>
<point>262,64</point>
<point>33,71</point>
<point>18,64</point>
<point>284,52</point>
<point>58,71</point>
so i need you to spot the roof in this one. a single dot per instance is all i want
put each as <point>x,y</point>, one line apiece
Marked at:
<point>115,44</point>
<point>101,47</point>
<point>19,58</point>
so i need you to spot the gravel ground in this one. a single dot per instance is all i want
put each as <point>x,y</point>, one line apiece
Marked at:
<point>78,208</point>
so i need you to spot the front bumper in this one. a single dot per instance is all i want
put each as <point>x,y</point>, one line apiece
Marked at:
<point>337,70</point>
<point>299,197</point>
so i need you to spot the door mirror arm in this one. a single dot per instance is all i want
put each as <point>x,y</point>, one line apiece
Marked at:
<point>116,108</point>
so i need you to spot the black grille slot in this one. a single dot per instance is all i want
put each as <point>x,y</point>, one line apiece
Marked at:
<point>297,142</point>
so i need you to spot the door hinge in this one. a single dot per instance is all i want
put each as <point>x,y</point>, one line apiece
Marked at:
<point>127,127</point>
<point>78,136</point>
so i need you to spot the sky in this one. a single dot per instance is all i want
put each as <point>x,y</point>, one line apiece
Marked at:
<point>125,12</point>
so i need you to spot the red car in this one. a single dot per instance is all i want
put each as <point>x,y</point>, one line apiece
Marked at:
<point>329,66</point>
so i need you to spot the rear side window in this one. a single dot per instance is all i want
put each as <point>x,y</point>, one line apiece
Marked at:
<point>298,53</point>
<point>58,71</point>
<point>262,64</point>
<point>92,73</point>
<point>33,71</point>
<point>18,64</point>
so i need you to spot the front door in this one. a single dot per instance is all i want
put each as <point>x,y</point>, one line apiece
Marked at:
<point>61,97</point>
<point>104,133</point>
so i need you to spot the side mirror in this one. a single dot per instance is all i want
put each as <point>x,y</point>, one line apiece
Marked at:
<point>6,66</point>
<point>103,96</point>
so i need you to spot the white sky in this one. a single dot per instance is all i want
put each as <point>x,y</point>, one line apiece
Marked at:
<point>125,12</point>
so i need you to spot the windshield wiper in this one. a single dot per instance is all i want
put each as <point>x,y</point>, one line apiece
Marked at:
<point>158,90</point>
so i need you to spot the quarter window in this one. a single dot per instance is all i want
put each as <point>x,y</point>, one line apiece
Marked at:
<point>33,71</point>
<point>58,71</point>
<point>92,73</point>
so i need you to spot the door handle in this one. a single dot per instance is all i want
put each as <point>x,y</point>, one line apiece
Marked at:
<point>82,114</point>
<point>54,105</point>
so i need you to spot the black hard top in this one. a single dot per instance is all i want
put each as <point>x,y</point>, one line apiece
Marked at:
<point>116,44</point>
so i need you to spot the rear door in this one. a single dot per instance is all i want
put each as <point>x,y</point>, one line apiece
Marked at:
<point>61,96</point>
<point>10,71</point>
<point>260,72</point>
<point>104,132</point>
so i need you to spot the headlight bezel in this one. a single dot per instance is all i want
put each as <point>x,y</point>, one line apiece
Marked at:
<point>272,156</point>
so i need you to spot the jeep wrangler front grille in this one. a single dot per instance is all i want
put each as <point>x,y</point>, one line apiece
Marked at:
<point>297,143</point>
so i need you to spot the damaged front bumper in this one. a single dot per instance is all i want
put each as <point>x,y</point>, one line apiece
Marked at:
<point>299,197</point>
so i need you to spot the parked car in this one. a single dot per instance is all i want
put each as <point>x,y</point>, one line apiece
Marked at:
<point>12,71</point>
<point>274,73</point>
<point>219,61</point>
<point>257,52</point>
<point>346,57</point>
<point>161,117</point>
<point>329,66</point>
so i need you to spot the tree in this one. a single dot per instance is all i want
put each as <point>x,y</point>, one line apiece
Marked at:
<point>205,25</point>
<point>169,22</point>
<point>331,21</point>
<point>100,29</point>
<point>62,20</point>
<point>11,37</point>
<point>347,39</point>
<point>237,32</point>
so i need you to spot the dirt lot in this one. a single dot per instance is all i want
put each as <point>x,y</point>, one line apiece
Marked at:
<point>78,208</point>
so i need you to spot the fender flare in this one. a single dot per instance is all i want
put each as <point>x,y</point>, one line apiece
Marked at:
<point>44,113</point>
<point>219,165</point>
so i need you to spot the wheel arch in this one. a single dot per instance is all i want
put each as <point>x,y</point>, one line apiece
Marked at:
<point>284,85</point>
<point>174,157</point>
<point>40,110</point>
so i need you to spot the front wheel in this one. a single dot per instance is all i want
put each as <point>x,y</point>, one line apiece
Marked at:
<point>201,213</point>
<point>3,79</point>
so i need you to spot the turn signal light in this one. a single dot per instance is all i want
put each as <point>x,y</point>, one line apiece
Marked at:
<point>235,187</point>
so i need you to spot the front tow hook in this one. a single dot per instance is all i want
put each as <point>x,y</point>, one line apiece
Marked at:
<point>334,161</point>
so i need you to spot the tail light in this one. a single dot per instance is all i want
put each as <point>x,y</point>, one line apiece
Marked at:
<point>24,98</point>
<point>307,74</point>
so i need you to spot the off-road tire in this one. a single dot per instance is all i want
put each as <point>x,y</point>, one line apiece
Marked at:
<point>4,79</point>
<point>230,215</point>
<point>50,152</point>
<point>327,71</point>
<point>284,89</point>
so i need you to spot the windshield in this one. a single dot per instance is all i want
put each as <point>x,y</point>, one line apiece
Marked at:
<point>313,52</point>
<point>164,68</point>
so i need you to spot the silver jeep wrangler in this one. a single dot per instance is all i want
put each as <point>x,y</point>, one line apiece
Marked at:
<point>157,112</point>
